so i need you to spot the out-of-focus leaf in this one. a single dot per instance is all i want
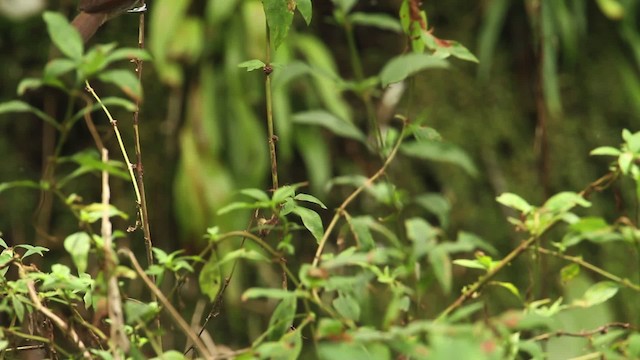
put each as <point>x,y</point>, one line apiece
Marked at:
<point>64,35</point>
<point>282,318</point>
<point>437,205</point>
<point>78,245</point>
<point>330,122</point>
<point>311,221</point>
<point>613,9</point>
<point>515,202</point>
<point>251,65</point>
<point>14,106</point>
<point>279,18</point>
<point>441,264</point>
<point>21,183</point>
<point>125,80</point>
<point>254,293</point>
<point>305,9</point>
<point>489,34</point>
<point>598,294</point>
<point>210,278</point>
<point>380,21</point>
<point>403,66</point>
<point>440,151</point>
<point>347,306</point>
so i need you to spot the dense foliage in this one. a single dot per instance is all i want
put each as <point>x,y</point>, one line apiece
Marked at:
<point>269,179</point>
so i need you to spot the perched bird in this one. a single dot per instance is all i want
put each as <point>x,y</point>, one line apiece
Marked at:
<point>94,13</point>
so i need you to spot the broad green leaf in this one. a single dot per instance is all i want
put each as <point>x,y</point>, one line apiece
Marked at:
<point>612,9</point>
<point>605,150</point>
<point>136,311</point>
<point>625,160</point>
<point>251,65</point>
<point>257,194</point>
<point>437,205</point>
<point>441,264</point>
<point>509,286</point>
<point>21,183</point>
<point>380,21</point>
<point>311,221</point>
<point>305,9</point>
<point>242,253</point>
<point>125,80</point>
<point>3,244</point>
<point>598,294</point>
<point>279,16</point>
<point>403,66</point>
<point>568,272</point>
<point>282,318</point>
<point>331,122</point>
<point>361,226</point>
<point>18,307</point>
<point>440,151</point>
<point>311,199</point>
<point>21,106</point>
<point>64,35</point>
<point>254,293</point>
<point>287,348</point>
<point>78,245</point>
<point>632,140</point>
<point>472,264</point>
<point>128,54</point>
<point>332,350</point>
<point>565,201</point>
<point>515,202</point>
<point>422,235</point>
<point>283,193</point>
<point>210,278</point>
<point>347,307</point>
<point>93,212</point>
<point>57,67</point>
<point>40,250</point>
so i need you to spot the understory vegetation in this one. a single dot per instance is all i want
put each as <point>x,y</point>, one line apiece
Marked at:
<point>323,180</point>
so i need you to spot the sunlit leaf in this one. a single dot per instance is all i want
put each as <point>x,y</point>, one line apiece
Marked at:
<point>403,66</point>
<point>330,122</point>
<point>78,245</point>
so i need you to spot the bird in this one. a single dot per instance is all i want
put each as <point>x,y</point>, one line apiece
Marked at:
<point>94,13</point>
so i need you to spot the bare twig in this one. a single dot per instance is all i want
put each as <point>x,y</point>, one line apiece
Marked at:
<point>182,324</point>
<point>119,341</point>
<point>600,330</point>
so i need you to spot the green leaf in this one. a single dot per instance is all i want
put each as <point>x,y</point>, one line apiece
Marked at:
<point>40,250</point>
<point>78,245</point>
<point>361,226</point>
<point>64,35</point>
<point>606,151</point>
<point>567,273</point>
<point>331,122</point>
<point>311,199</point>
<point>305,9</point>
<point>257,194</point>
<point>472,264</point>
<point>598,294</point>
<point>509,286</point>
<point>3,244</point>
<point>251,65</point>
<point>632,140</point>
<point>440,151</point>
<point>279,14</point>
<point>422,235</point>
<point>380,21</point>
<point>282,318</point>
<point>136,311</point>
<point>18,307</point>
<point>125,80</point>
<point>18,106</point>
<point>242,253</point>
<point>283,193</point>
<point>437,205</point>
<point>254,293</point>
<point>625,160</point>
<point>441,264</point>
<point>347,307</point>
<point>515,202</point>
<point>21,183</point>
<point>345,5</point>
<point>93,212</point>
<point>311,221</point>
<point>565,201</point>
<point>128,54</point>
<point>403,66</point>
<point>210,278</point>
<point>612,9</point>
